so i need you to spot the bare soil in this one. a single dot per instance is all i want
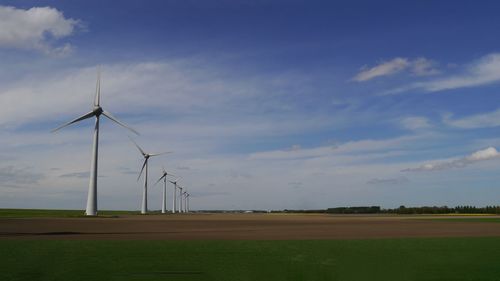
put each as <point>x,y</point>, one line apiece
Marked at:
<point>242,227</point>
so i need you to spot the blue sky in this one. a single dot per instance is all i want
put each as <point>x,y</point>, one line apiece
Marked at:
<point>267,104</point>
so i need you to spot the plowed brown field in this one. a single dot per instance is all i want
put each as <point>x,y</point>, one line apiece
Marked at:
<point>243,226</point>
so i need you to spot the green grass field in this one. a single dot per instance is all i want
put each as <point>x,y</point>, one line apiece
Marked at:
<point>440,259</point>
<point>31,213</point>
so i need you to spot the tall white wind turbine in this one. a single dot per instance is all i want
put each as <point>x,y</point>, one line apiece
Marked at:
<point>164,198</point>
<point>97,111</point>
<point>183,202</point>
<point>174,195</point>
<point>187,202</point>
<point>144,206</point>
<point>180,198</point>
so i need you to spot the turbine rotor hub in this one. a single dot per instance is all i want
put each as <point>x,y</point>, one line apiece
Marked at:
<point>98,110</point>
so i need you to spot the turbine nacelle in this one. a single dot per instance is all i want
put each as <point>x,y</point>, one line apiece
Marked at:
<point>175,181</point>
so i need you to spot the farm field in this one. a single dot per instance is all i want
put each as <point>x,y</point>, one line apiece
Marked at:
<point>247,227</point>
<point>250,247</point>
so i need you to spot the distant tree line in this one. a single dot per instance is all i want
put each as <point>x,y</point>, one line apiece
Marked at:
<point>446,210</point>
<point>354,210</point>
<point>402,210</point>
<point>339,210</point>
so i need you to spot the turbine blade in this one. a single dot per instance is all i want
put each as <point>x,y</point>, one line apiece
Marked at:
<point>97,98</point>
<point>176,180</point>
<point>159,179</point>
<point>156,154</point>
<point>138,147</point>
<point>88,115</point>
<point>142,169</point>
<point>112,118</point>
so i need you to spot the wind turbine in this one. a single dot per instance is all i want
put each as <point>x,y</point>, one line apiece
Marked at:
<point>180,198</point>
<point>97,111</point>
<point>174,200</point>
<point>164,199</point>
<point>183,201</point>
<point>187,202</point>
<point>144,206</point>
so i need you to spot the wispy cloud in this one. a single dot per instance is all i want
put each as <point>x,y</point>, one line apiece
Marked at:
<point>392,181</point>
<point>296,184</point>
<point>424,67</point>
<point>480,155</point>
<point>235,175</point>
<point>79,175</point>
<point>483,71</point>
<point>13,176</point>
<point>180,85</point>
<point>127,171</point>
<point>198,194</point>
<point>361,148</point>
<point>483,120</point>
<point>419,67</point>
<point>36,29</point>
<point>383,69</point>
<point>415,123</point>
<point>183,168</point>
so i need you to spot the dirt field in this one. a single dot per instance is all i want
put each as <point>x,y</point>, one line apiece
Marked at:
<point>242,226</point>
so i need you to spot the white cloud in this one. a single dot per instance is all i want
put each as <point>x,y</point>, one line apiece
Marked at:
<point>483,120</point>
<point>383,69</point>
<point>209,104</point>
<point>63,94</point>
<point>35,28</point>
<point>415,123</point>
<point>364,149</point>
<point>423,67</point>
<point>419,66</point>
<point>385,181</point>
<point>12,176</point>
<point>484,71</point>
<point>485,154</point>
<point>84,175</point>
<point>480,155</point>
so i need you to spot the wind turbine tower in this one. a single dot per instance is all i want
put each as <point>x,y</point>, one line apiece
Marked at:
<point>97,111</point>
